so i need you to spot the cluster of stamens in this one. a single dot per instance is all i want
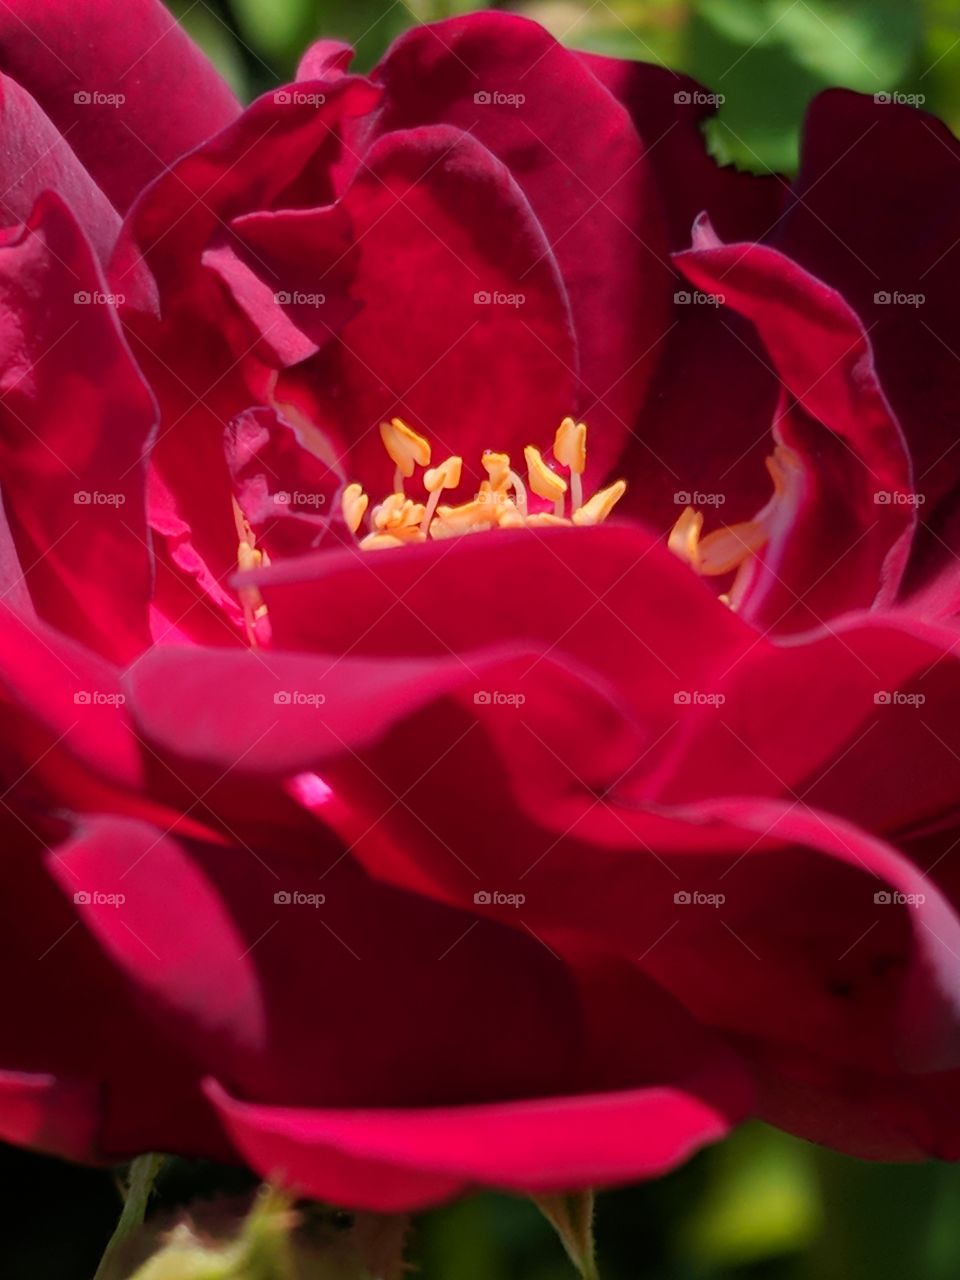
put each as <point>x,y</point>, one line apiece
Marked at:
<point>502,501</point>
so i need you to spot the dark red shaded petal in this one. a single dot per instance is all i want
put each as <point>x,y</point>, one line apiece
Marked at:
<point>67,54</point>
<point>286,491</point>
<point>705,428</point>
<point>48,1114</point>
<point>871,733</point>
<point>56,694</point>
<point>867,1114</point>
<point>398,974</point>
<point>669,111</point>
<point>608,597</point>
<point>847,543</point>
<point>37,158</point>
<point>577,157</point>
<point>868,227</point>
<point>880,234</point>
<point>441,237</point>
<point>199,354</point>
<point>277,154</point>
<point>76,417</point>
<point>77,1053</point>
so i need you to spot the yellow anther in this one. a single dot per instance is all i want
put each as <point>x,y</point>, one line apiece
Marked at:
<point>399,517</point>
<point>570,445</point>
<point>404,446</point>
<point>684,539</point>
<point>354,503</point>
<point>734,545</point>
<point>537,520</point>
<point>248,557</point>
<point>726,549</point>
<point>544,482</point>
<point>497,467</point>
<point>380,542</point>
<point>600,505</point>
<point>485,512</point>
<point>500,502</point>
<point>446,476</point>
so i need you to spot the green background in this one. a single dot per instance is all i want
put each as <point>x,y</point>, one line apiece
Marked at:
<point>762,1205</point>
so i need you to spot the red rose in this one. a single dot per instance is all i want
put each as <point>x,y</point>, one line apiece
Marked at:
<point>401,860</point>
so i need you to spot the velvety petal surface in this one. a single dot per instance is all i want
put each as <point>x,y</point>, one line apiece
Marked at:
<point>120,80</point>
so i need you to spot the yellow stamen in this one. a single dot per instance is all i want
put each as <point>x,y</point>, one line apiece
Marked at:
<point>497,467</point>
<point>354,505</point>
<point>405,447</point>
<point>684,537</point>
<point>399,517</point>
<point>446,476</point>
<point>544,482</point>
<point>734,546</point>
<point>570,450</point>
<point>600,505</point>
<point>380,542</point>
<point>249,556</point>
<point>501,501</point>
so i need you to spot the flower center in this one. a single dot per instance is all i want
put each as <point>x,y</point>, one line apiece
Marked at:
<point>502,501</point>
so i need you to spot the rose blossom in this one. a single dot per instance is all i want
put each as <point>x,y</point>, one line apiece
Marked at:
<point>391,813</point>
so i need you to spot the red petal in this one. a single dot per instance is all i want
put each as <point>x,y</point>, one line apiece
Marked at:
<point>66,54</point>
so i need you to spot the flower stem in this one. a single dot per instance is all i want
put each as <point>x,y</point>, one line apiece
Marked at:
<point>143,1173</point>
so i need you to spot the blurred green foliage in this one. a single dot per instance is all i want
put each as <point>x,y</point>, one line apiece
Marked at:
<point>766,57</point>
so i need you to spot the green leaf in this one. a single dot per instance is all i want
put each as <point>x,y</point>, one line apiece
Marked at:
<point>572,1217</point>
